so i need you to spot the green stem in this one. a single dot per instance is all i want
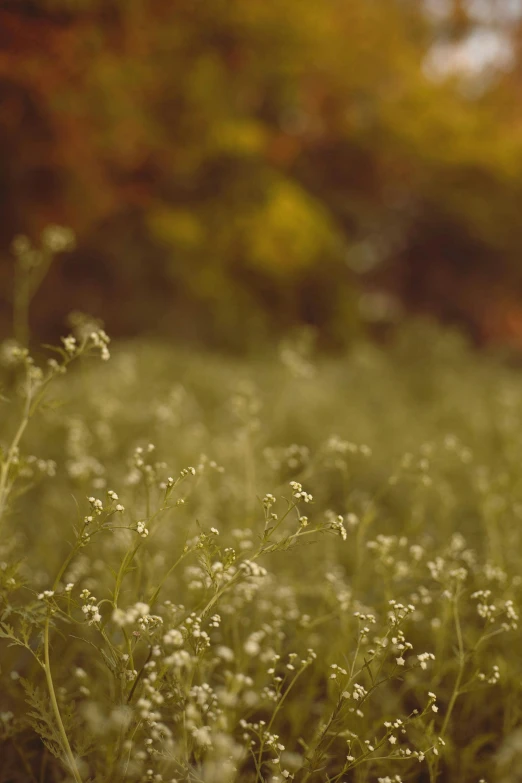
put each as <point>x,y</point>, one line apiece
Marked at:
<point>4,471</point>
<point>50,685</point>
<point>274,716</point>
<point>23,758</point>
<point>127,560</point>
<point>460,673</point>
<point>156,592</point>
<point>139,676</point>
<point>29,409</point>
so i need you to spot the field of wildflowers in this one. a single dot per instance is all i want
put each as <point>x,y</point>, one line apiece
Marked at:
<point>295,568</point>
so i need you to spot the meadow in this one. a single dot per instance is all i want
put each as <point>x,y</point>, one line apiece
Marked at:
<point>295,567</point>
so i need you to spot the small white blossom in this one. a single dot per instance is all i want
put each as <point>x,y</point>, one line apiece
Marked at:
<point>70,345</point>
<point>142,530</point>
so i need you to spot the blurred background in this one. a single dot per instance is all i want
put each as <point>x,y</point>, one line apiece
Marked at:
<point>233,169</point>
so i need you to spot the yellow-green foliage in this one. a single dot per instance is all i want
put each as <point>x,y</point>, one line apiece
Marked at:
<point>293,568</point>
<point>211,155</point>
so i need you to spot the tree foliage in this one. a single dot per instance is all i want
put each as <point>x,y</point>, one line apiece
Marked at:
<point>232,168</point>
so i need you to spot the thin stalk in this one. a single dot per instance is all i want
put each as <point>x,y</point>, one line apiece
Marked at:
<point>61,728</point>
<point>43,765</point>
<point>50,685</point>
<point>156,592</point>
<point>4,471</point>
<point>127,560</point>
<point>139,676</point>
<point>460,673</point>
<point>23,758</point>
<point>274,716</point>
<point>31,404</point>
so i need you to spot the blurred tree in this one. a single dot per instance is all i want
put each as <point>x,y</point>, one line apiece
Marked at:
<point>233,168</point>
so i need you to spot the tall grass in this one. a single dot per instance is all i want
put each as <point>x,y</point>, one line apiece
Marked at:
<point>287,569</point>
